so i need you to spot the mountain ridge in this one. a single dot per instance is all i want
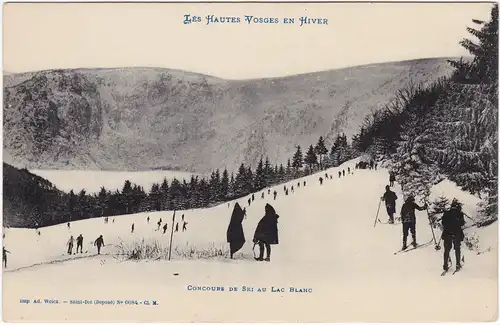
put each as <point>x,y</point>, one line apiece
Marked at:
<point>143,118</point>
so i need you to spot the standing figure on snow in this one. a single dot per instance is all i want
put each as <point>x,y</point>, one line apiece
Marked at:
<point>340,174</point>
<point>293,189</point>
<point>4,257</point>
<point>277,194</point>
<point>249,201</point>
<point>69,226</point>
<point>321,181</point>
<point>184,224</point>
<point>376,166</point>
<point>177,227</point>
<point>262,196</point>
<point>286,192</point>
<point>159,224</point>
<point>409,220</point>
<point>253,197</point>
<point>99,242</point>
<point>326,175</point>
<point>113,220</point>
<point>390,198</point>
<point>235,235</point>
<point>79,243</point>
<point>392,179</point>
<point>343,172</point>
<point>304,183</point>
<point>133,227</point>
<point>348,170</point>
<point>453,221</point>
<point>70,245</point>
<point>165,226</point>
<point>284,188</point>
<point>244,210</point>
<point>148,219</point>
<point>268,191</point>
<point>266,233</point>
<point>182,217</point>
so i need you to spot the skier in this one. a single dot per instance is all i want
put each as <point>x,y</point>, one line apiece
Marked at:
<point>284,188</point>
<point>69,226</point>
<point>183,217</point>
<point>269,191</point>
<point>79,243</point>
<point>159,224</point>
<point>4,256</point>
<point>244,210</point>
<point>343,172</point>
<point>408,218</point>
<point>165,226</point>
<point>392,179</point>
<point>262,196</point>
<point>286,192</point>
<point>266,233</point>
<point>70,245</point>
<point>177,227</point>
<point>113,220</point>
<point>321,181</point>
<point>390,198</point>
<point>133,227</point>
<point>293,190</point>
<point>184,226</point>
<point>148,219</point>
<point>326,175</point>
<point>348,170</point>
<point>340,174</point>
<point>99,242</point>
<point>277,194</point>
<point>453,221</point>
<point>298,184</point>
<point>235,236</point>
<point>304,183</point>
<point>249,201</point>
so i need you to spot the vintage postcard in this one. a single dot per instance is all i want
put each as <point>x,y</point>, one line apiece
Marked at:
<point>250,162</point>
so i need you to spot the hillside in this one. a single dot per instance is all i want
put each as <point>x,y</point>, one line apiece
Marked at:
<point>145,118</point>
<point>327,243</point>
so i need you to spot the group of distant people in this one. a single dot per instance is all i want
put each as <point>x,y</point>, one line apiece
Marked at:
<point>452,222</point>
<point>99,242</point>
<point>367,165</point>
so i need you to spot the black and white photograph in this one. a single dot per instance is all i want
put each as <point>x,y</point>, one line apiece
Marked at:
<point>250,162</point>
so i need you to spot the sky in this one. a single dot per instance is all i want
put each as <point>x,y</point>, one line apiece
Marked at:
<point>40,36</point>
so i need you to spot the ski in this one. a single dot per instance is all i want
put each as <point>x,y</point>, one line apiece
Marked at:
<point>411,248</point>
<point>444,273</point>
<point>457,270</point>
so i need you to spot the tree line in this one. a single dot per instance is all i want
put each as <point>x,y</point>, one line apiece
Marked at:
<point>445,129</point>
<point>51,206</point>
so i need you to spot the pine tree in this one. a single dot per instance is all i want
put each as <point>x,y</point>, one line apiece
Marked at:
<point>288,171</point>
<point>260,181</point>
<point>103,200</point>
<point>297,159</point>
<point>240,181</point>
<point>224,185</point>
<point>311,158</point>
<point>164,199</point>
<point>320,150</point>
<point>155,197</point>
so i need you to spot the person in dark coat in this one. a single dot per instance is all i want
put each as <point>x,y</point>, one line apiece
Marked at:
<point>133,227</point>
<point>159,224</point>
<point>390,198</point>
<point>343,172</point>
<point>298,184</point>
<point>177,227</point>
<point>79,243</point>
<point>262,196</point>
<point>266,233</point>
<point>184,224</point>
<point>235,235</point>
<point>392,179</point>
<point>99,242</point>
<point>148,219</point>
<point>453,221</point>
<point>409,220</point>
<point>340,174</point>
<point>69,225</point>
<point>165,227</point>
<point>275,193</point>
<point>304,183</point>
<point>249,201</point>
<point>321,181</point>
<point>4,257</point>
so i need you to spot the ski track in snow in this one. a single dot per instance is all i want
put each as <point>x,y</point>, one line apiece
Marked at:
<point>327,243</point>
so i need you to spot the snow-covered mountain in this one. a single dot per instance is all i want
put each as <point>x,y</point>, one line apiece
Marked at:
<point>327,243</point>
<point>150,118</point>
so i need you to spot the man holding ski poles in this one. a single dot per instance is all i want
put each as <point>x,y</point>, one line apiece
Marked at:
<point>390,198</point>
<point>409,220</point>
<point>452,221</point>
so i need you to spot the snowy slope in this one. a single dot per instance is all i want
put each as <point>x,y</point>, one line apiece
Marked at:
<point>327,242</point>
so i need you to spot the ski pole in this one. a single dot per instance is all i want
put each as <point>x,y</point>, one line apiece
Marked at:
<point>430,224</point>
<point>376,217</point>
<point>171,236</point>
